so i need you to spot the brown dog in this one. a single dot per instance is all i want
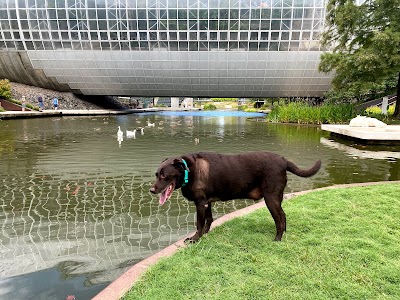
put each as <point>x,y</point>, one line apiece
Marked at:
<point>205,177</point>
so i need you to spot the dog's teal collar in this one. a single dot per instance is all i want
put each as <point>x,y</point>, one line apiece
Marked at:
<point>186,177</point>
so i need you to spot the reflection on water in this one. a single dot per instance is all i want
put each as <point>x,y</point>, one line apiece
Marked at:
<point>75,207</point>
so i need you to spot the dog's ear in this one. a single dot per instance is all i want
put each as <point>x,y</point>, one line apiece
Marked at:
<point>178,163</point>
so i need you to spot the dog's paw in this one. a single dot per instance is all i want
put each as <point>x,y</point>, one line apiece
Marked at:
<point>192,240</point>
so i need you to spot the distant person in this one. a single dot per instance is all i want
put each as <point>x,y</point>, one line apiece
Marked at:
<point>23,103</point>
<point>55,103</point>
<point>41,103</point>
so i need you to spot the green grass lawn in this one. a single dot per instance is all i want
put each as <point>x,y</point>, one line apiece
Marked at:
<point>340,244</point>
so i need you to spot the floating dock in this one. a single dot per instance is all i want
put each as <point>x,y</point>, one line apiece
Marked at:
<point>386,135</point>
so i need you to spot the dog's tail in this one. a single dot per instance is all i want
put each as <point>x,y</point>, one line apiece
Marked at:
<point>291,167</point>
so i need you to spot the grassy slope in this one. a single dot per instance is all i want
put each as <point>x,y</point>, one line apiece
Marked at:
<point>342,243</point>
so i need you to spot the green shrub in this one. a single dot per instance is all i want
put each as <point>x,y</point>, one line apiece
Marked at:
<point>302,113</point>
<point>5,89</point>
<point>209,106</point>
<point>375,110</point>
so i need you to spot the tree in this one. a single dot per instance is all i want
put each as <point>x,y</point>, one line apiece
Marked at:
<point>365,45</point>
<point>5,89</point>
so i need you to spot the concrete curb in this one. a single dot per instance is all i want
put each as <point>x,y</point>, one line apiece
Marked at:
<point>122,284</point>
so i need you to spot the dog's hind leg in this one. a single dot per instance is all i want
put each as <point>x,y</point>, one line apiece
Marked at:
<point>274,204</point>
<point>209,218</point>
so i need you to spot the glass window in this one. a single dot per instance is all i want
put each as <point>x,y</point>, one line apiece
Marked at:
<point>193,25</point>
<point>173,36</point>
<point>102,25</point>
<point>183,36</point>
<point>182,24</point>
<point>193,46</point>
<point>307,24</point>
<point>265,25</point>
<point>223,45</point>
<point>193,14</point>
<point>213,14</point>
<point>172,14</point>
<point>193,36</point>
<point>142,25</point>
<point>131,14</point>
<point>94,35</point>
<point>103,35</point>
<point>64,35</point>
<point>295,35</point>
<point>203,46</point>
<point>273,46</point>
<point>264,36</point>
<point>35,35</point>
<point>253,46</point>
<point>182,14</point>
<point>244,25</point>
<point>266,14</point>
<point>45,35</point>
<point>263,46</point>
<point>141,14</point>
<point>254,25</point>
<point>234,24</point>
<point>144,45</point>
<point>24,25</point>
<point>305,35</point>
<point>172,25</point>
<point>234,13</point>
<point>213,24</point>
<point>233,36</point>
<point>203,25</point>
<point>173,46</point>
<point>275,25</point>
<point>253,35</point>
<point>274,35</point>
<point>285,35</point>
<point>244,14</point>
<point>223,25</point>
<point>183,46</point>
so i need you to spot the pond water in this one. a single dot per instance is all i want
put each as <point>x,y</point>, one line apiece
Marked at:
<point>76,211</point>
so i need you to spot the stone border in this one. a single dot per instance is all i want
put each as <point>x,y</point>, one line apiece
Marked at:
<point>123,284</point>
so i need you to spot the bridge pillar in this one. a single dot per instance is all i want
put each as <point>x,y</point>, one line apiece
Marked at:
<point>385,102</point>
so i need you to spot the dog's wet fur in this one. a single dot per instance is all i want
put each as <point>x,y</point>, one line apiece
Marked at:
<point>219,177</point>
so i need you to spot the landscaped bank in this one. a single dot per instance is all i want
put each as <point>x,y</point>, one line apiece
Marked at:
<point>340,244</point>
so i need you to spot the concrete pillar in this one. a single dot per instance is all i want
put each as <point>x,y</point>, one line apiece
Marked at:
<point>385,103</point>
<point>175,102</point>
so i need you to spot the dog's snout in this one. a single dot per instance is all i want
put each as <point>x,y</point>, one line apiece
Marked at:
<point>153,190</point>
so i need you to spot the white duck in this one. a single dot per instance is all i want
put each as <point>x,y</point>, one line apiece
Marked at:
<point>119,132</point>
<point>149,124</point>
<point>130,134</point>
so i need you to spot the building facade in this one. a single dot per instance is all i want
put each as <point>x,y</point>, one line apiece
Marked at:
<point>192,48</point>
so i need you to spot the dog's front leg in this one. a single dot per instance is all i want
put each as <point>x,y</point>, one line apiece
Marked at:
<point>201,219</point>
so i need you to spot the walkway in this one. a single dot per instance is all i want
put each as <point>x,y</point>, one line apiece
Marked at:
<point>82,112</point>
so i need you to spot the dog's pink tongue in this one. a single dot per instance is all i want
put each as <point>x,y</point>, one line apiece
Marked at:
<point>166,194</point>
